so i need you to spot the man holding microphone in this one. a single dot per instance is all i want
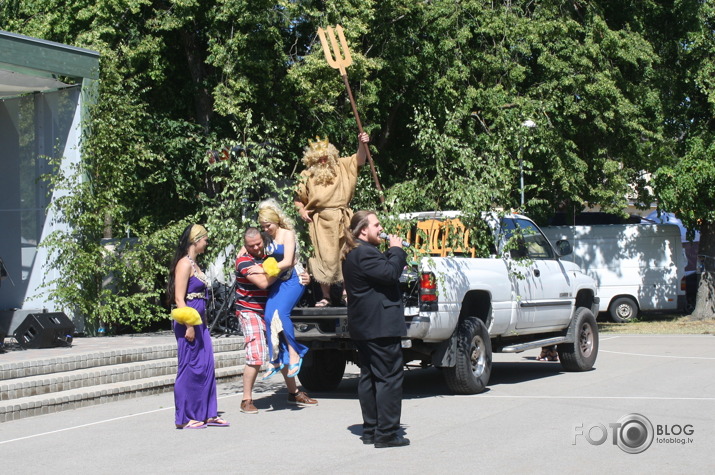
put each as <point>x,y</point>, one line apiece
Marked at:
<point>377,324</point>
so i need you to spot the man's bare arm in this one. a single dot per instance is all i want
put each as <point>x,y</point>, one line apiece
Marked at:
<point>262,281</point>
<point>364,140</point>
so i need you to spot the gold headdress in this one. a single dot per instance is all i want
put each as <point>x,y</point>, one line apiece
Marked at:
<point>318,145</point>
<point>197,232</point>
<point>317,149</point>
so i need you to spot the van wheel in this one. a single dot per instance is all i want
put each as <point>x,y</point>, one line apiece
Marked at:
<point>623,309</point>
<point>473,367</point>
<point>322,370</point>
<point>581,354</point>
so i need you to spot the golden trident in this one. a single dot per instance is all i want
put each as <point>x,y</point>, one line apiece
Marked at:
<point>339,61</point>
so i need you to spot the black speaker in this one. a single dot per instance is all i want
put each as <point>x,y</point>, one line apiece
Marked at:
<point>45,330</point>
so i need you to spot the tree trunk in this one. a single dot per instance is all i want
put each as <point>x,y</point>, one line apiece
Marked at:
<point>203,102</point>
<point>705,300</point>
<point>108,221</point>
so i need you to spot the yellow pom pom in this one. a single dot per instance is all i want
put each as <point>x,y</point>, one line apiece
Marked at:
<point>186,316</point>
<point>270,265</point>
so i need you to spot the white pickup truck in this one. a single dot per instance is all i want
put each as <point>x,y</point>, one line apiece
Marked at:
<point>460,308</point>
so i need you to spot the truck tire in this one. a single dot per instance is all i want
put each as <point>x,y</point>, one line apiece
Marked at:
<point>580,355</point>
<point>623,309</point>
<point>322,370</point>
<point>470,374</point>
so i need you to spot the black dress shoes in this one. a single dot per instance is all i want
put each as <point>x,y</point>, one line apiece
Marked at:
<point>396,441</point>
<point>368,439</point>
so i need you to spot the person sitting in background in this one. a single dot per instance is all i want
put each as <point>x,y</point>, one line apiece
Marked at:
<point>548,353</point>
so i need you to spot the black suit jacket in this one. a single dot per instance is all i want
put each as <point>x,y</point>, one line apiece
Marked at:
<point>372,281</point>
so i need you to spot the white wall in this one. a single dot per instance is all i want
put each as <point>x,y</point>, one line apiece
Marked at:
<point>34,127</point>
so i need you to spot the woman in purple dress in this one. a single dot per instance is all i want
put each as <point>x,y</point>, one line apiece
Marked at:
<point>195,386</point>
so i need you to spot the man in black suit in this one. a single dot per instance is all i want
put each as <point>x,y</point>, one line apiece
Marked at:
<point>377,324</point>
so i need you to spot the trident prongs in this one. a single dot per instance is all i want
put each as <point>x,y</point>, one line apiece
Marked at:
<point>339,61</point>
<point>336,60</point>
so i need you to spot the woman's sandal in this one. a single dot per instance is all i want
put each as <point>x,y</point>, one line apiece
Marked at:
<point>217,422</point>
<point>322,303</point>
<point>294,369</point>
<point>193,425</point>
<point>273,370</point>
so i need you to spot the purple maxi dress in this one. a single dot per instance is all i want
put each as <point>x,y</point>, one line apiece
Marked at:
<point>195,385</point>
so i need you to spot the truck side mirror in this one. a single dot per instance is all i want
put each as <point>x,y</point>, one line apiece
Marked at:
<point>563,247</point>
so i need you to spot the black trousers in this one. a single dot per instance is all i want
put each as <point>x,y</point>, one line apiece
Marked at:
<point>380,386</point>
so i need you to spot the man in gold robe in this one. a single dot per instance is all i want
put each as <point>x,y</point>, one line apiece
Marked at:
<point>324,192</point>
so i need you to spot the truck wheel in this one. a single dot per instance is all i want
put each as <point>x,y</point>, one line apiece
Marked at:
<point>473,367</point>
<point>623,309</point>
<point>322,370</point>
<point>581,354</point>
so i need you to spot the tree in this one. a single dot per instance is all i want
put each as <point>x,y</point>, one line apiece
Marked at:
<point>442,86</point>
<point>684,184</point>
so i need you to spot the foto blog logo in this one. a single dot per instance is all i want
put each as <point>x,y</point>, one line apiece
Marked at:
<point>633,433</point>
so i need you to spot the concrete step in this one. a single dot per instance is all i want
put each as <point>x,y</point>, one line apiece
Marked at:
<point>82,378</point>
<point>97,371</point>
<point>39,366</point>
<point>82,397</point>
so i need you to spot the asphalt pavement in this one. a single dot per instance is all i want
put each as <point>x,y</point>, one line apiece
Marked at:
<point>647,407</point>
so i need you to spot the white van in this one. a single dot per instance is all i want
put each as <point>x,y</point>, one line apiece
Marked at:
<point>637,267</point>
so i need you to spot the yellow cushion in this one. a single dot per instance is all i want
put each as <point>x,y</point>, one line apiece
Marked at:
<point>270,265</point>
<point>186,316</point>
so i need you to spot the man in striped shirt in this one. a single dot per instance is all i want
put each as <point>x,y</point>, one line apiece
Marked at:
<point>251,294</point>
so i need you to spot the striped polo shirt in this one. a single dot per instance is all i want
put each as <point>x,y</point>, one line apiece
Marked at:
<point>248,295</point>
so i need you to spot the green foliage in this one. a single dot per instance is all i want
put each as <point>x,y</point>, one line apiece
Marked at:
<point>616,90</point>
<point>686,187</point>
<point>684,183</point>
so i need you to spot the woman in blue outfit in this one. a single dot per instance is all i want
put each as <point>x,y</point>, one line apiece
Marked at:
<point>284,294</point>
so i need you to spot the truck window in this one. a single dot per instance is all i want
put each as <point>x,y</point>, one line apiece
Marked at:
<point>537,246</point>
<point>524,240</point>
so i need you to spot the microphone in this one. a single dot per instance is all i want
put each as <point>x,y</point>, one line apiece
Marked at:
<point>386,237</point>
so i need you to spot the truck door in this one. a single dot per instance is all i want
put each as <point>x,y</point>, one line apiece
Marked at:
<point>551,299</point>
<point>521,273</point>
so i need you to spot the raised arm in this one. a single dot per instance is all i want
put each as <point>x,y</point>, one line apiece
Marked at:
<point>364,140</point>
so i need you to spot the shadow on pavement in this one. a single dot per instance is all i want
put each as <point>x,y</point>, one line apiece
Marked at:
<point>429,382</point>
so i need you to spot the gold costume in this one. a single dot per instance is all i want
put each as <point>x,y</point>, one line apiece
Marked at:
<point>331,215</point>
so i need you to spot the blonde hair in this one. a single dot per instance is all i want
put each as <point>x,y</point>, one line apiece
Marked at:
<point>358,222</point>
<point>269,210</point>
